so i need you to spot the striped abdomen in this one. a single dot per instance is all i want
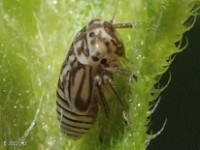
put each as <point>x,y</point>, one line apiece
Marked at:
<point>77,105</point>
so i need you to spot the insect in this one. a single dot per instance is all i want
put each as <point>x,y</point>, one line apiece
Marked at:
<point>91,62</point>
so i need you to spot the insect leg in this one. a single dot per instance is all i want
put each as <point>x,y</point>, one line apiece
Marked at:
<point>121,71</point>
<point>105,109</point>
<point>123,25</point>
<point>124,115</point>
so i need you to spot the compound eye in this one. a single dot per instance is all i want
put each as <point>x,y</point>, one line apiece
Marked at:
<point>95,58</point>
<point>91,34</point>
<point>103,61</point>
<point>108,27</point>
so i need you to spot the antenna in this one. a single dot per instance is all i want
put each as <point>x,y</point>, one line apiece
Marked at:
<point>93,9</point>
<point>115,11</point>
<point>120,25</point>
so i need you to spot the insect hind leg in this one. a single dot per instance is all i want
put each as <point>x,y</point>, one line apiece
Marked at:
<point>105,109</point>
<point>124,111</point>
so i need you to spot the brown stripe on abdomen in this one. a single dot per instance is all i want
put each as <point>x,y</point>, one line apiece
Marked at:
<point>84,94</point>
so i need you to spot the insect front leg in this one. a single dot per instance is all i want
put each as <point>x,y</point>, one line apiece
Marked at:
<point>116,69</point>
<point>109,71</point>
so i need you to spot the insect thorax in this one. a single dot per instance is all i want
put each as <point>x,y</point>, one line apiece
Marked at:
<point>98,43</point>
